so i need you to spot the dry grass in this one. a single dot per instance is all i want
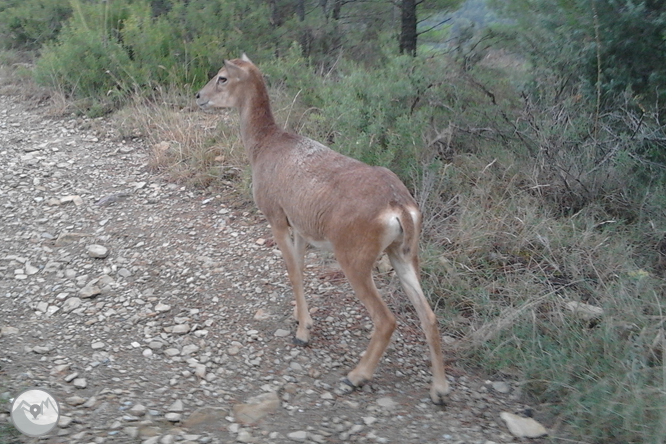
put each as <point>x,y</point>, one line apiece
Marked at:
<point>187,145</point>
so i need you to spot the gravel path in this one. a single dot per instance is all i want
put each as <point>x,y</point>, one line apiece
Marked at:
<point>157,313</point>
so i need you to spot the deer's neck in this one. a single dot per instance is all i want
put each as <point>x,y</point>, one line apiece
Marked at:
<point>257,122</point>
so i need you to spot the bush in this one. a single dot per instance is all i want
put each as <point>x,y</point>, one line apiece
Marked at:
<point>29,24</point>
<point>108,51</point>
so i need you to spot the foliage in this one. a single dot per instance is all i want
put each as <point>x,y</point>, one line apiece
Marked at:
<point>110,50</point>
<point>615,46</point>
<point>28,24</point>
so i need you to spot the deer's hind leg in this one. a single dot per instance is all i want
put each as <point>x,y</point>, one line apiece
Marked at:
<point>406,266</point>
<point>293,252</point>
<point>359,274</point>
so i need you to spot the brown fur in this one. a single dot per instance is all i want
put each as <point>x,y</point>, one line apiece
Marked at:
<point>312,194</point>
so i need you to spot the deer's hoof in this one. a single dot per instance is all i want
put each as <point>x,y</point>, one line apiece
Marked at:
<point>300,342</point>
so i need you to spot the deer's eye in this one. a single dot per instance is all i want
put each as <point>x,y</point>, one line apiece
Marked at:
<point>221,80</point>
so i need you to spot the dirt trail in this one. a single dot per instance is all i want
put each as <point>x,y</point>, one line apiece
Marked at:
<point>181,330</point>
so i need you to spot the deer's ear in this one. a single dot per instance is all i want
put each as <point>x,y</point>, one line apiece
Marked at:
<point>245,58</point>
<point>233,70</point>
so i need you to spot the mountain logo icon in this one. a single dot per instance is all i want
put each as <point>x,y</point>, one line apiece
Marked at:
<point>35,412</point>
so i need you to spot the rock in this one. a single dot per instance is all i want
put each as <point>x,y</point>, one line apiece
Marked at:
<point>80,383</point>
<point>387,403</point>
<point>200,371</point>
<point>300,436</point>
<point>171,352</point>
<point>98,345</point>
<point>206,419</point>
<point>521,427</point>
<point>41,349</point>
<point>280,333</point>
<point>9,330</point>
<point>65,421</point>
<point>256,408</point>
<point>138,410</point>
<point>189,349</point>
<point>71,377</point>
<point>501,387</point>
<point>89,291</point>
<point>173,417</point>
<point>75,400</point>
<point>97,251</point>
<point>161,308</point>
<point>72,198</point>
<point>369,420</point>
<point>147,353</point>
<point>261,315</point>
<point>155,345</point>
<point>30,270</point>
<point>71,304</point>
<point>244,436</point>
<point>180,329</point>
<point>177,406</point>
<point>584,311</point>
<point>68,238</point>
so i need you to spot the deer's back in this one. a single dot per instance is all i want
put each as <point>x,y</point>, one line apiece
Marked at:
<point>310,185</point>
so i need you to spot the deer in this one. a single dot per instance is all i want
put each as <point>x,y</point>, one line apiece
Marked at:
<point>311,194</point>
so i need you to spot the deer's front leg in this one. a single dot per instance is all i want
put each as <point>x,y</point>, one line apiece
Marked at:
<point>293,251</point>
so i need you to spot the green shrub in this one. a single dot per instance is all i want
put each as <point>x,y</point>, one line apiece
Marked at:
<point>28,24</point>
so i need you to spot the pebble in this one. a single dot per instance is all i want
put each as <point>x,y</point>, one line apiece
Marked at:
<point>299,436</point>
<point>173,417</point>
<point>177,406</point>
<point>97,251</point>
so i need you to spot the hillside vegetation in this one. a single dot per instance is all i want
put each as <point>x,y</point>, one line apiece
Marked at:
<point>531,133</point>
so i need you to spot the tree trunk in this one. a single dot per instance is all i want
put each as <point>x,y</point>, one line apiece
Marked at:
<point>408,35</point>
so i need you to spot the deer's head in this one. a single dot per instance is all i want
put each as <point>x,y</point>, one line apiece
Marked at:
<point>224,89</point>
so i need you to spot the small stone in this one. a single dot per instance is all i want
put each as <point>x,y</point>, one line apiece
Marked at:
<point>244,436</point>
<point>138,410</point>
<point>523,427</point>
<point>261,315</point>
<point>200,371</point>
<point>89,291</point>
<point>171,352</point>
<point>71,304</point>
<point>256,408</point>
<point>369,420</point>
<point>296,366</point>
<point>233,350</point>
<point>327,396</point>
<point>9,331</point>
<point>181,329</point>
<point>173,417</point>
<point>584,311</point>
<point>75,400</point>
<point>280,333</point>
<point>42,306</point>
<point>189,349</point>
<point>501,387</point>
<point>167,439</point>
<point>156,345</point>
<point>30,270</point>
<point>71,377</point>
<point>177,406</point>
<point>98,345</point>
<point>387,402</point>
<point>98,251</point>
<point>80,383</point>
<point>65,421</point>
<point>299,436</point>
<point>41,349</point>
<point>147,353</point>
<point>161,308</point>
